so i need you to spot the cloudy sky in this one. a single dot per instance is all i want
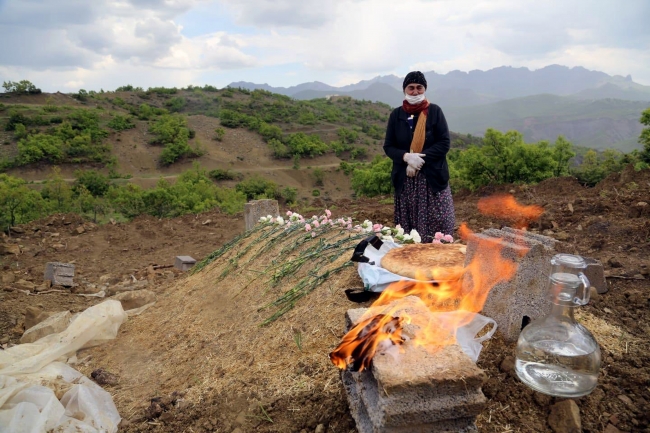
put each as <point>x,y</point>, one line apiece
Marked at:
<point>66,45</point>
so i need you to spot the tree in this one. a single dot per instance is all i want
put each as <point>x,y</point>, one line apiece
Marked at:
<point>644,138</point>
<point>562,153</point>
<point>22,86</point>
<point>95,182</point>
<point>58,191</point>
<point>18,203</point>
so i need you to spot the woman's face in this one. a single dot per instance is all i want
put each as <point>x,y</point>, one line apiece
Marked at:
<point>414,89</point>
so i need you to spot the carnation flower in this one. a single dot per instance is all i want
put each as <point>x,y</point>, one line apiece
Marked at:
<point>377,228</point>
<point>387,238</point>
<point>289,213</point>
<point>448,238</point>
<point>415,236</point>
<point>279,221</point>
<point>316,224</point>
<point>386,230</point>
<point>328,213</point>
<point>307,227</point>
<point>438,236</point>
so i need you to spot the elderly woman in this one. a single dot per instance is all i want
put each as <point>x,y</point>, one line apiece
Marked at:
<point>417,140</point>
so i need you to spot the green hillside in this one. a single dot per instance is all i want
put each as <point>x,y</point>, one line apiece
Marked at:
<point>596,124</point>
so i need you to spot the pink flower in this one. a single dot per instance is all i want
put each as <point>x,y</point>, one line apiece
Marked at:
<point>307,227</point>
<point>349,227</point>
<point>377,228</point>
<point>448,238</point>
<point>289,213</point>
<point>438,236</point>
<point>328,213</point>
<point>325,221</point>
<point>313,234</point>
<point>331,222</point>
<point>316,224</point>
<point>436,241</point>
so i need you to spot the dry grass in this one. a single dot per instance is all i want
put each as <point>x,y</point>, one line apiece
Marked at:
<point>204,333</point>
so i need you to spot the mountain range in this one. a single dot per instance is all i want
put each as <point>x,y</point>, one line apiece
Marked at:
<point>590,108</point>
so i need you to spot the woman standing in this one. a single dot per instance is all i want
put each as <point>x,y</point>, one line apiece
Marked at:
<point>417,140</point>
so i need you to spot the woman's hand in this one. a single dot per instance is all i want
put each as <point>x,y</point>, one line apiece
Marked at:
<point>414,160</point>
<point>411,172</point>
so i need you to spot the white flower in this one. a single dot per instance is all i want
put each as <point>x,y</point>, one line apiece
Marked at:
<point>279,221</point>
<point>263,219</point>
<point>416,236</point>
<point>269,217</point>
<point>386,230</point>
<point>399,237</point>
<point>295,217</point>
<point>399,231</point>
<point>387,238</point>
<point>366,224</point>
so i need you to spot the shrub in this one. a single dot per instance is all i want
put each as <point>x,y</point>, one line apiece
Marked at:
<point>22,86</point>
<point>39,147</point>
<point>256,187</point>
<point>121,123</point>
<point>318,176</point>
<point>302,144</point>
<point>219,133</point>
<point>347,135</point>
<point>373,179</point>
<point>289,194</point>
<point>95,182</point>
<point>358,153</point>
<point>219,174</point>
<point>315,193</point>
<point>176,104</point>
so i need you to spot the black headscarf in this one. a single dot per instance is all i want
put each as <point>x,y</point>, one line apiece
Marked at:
<point>414,77</point>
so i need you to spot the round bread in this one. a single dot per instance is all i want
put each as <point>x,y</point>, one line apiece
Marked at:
<point>425,261</point>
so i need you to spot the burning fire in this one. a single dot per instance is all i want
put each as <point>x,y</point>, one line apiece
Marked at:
<point>458,297</point>
<point>506,207</point>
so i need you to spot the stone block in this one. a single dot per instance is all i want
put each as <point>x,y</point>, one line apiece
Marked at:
<point>184,262</point>
<point>595,273</point>
<point>60,274</point>
<point>255,209</point>
<point>52,325</point>
<point>524,297</point>
<point>364,424</point>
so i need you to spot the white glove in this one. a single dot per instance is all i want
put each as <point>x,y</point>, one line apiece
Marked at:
<point>414,160</point>
<point>410,171</point>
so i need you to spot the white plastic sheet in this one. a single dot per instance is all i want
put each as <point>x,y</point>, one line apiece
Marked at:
<point>31,378</point>
<point>374,277</point>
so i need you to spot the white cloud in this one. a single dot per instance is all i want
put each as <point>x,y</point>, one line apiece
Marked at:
<point>335,41</point>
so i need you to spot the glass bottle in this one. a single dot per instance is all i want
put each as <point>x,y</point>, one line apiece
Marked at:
<point>555,354</point>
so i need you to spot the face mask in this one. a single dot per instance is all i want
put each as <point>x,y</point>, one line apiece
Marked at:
<point>414,100</point>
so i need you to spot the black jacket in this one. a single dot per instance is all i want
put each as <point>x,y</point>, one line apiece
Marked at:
<point>436,146</point>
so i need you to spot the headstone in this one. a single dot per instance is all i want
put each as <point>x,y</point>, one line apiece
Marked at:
<point>60,274</point>
<point>255,209</point>
<point>184,262</point>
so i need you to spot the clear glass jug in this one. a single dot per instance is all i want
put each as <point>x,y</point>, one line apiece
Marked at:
<point>555,354</point>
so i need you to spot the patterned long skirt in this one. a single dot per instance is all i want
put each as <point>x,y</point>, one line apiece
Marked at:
<point>418,207</point>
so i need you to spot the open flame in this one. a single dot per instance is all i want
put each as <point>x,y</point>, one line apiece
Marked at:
<point>463,291</point>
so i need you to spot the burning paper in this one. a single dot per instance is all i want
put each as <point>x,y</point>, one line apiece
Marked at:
<point>464,292</point>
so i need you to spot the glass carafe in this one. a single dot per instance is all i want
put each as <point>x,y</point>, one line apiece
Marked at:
<point>555,354</point>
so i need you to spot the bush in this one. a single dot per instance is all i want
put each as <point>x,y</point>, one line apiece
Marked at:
<point>176,104</point>
<point>358,153</point>
<point>256,187</point>
<point>121,123</point>
<point>347,136</point>
<point>219,174</point>
<point>219,133</point>
<point>373,179</point>
<point>93,181</point>
<point>39,147</point>
<point>318,176</point>
<point>315,193</point>
<point>15,117</point>
<point>302,144</point>
<point>289,194</point>
<point>278,148</point>
<point>20,131</point>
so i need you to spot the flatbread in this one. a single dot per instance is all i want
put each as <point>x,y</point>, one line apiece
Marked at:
<point>425,261</point>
